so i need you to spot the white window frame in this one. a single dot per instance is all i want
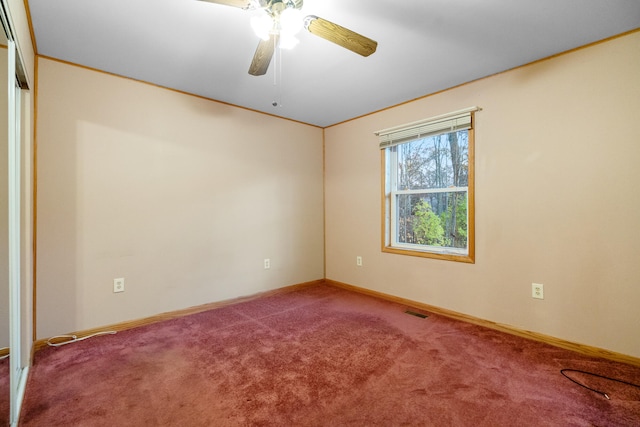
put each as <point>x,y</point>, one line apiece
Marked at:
<point>393,222</point>
<point>392,137</point>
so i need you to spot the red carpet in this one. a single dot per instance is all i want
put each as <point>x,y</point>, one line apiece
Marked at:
<point>316,357</point>
<point>4,392</point>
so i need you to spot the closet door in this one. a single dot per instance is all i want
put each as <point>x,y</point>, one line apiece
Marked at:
<point>5,340</point>
<point>18,368</point>
<point>14,341</point>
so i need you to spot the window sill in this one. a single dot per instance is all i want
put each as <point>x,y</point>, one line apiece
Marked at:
<point>468,258</point>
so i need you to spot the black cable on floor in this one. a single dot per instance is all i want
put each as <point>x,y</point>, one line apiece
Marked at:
<point>562,371</point>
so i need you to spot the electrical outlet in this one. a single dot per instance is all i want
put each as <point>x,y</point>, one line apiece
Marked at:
<point>537,290</point>
<point>118,285</point>
<point>267,263</point>
<point>359,261</point>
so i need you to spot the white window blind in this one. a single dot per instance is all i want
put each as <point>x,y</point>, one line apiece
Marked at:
<point>450,122</point>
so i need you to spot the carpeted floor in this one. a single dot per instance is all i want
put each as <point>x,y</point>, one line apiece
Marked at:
<point>321,356</point>
<point>4,392</point>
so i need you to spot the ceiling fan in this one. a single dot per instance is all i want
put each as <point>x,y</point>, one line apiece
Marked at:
<point>279,23</point>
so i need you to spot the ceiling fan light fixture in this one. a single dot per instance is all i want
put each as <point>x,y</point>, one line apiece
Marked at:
<point>291,21</point>
<point>262,26</point>
<point>277,22</point>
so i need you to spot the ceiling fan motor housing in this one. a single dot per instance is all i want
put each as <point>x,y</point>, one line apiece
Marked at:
<point>275,7</point>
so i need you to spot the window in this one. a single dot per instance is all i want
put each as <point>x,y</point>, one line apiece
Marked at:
<point>428,200</point>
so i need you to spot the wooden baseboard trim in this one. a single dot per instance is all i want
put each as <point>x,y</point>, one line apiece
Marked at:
<point>123,326</point>
<point>547,339</point>
<point>557,342</point>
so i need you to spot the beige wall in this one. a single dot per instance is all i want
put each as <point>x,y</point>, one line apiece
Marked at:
<point>557,203</point>
<point>181,196</point>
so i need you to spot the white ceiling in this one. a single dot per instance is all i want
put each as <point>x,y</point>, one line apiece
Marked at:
<point>424,46</point>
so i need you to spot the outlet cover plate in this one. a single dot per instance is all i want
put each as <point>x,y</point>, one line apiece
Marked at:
<point>537,290</point>
<point>118,285</point>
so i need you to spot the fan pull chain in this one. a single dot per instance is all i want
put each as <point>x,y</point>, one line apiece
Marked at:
<point>277,74</point>
<point>275,62</point>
